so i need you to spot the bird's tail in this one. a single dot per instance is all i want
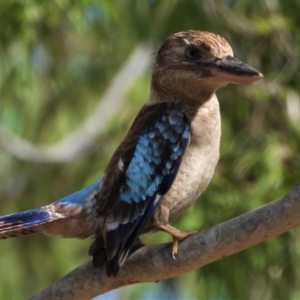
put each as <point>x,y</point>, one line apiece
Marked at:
<point>23,223</point>
<point>69,217</point>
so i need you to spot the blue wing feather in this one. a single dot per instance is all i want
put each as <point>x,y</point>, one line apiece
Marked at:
<point>128,199</point>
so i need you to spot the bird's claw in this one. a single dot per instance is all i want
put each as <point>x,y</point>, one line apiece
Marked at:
<point>175,248</point>
<point>173,256</point>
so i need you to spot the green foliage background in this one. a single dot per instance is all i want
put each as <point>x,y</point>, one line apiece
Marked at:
<point>56,59</point>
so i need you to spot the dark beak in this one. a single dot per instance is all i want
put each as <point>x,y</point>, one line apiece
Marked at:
<point>230,69</point>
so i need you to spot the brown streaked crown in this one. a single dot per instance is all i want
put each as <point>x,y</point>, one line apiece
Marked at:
<point>209,43</point>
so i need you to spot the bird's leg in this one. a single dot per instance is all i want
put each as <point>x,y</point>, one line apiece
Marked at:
<point>176,234</point>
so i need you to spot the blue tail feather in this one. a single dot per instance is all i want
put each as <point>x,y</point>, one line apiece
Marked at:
<point>67,208</point>
<point>24,222</point>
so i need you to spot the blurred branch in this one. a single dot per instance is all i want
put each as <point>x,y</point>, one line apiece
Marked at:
<point>283,41</point>
<point>153,263</point>
<point>237,22</point>
<point>78,142</point>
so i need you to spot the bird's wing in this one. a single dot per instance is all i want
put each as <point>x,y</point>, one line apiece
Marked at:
<point>140,172</point>
<point>66,217</point>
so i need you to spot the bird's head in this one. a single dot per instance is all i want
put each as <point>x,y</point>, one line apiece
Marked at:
<point>195,64</point>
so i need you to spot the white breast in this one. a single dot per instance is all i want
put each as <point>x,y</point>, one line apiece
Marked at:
<point>198,164</point>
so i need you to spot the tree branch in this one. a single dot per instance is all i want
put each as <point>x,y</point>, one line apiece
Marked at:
<point>155,263</point>
<point>77,143</point>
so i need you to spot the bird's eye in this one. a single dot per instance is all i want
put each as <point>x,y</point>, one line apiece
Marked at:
<point>192,53</point>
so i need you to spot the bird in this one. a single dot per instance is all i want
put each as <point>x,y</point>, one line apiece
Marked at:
<point>163,164</point>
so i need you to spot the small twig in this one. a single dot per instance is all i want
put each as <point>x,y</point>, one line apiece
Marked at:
<point>155,263</point>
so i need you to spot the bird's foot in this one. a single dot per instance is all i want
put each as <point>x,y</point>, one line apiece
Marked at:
<point>177,235</point>
<point>176,239</point>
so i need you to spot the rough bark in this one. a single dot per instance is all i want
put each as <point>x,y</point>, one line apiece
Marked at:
<point>155,263</point>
